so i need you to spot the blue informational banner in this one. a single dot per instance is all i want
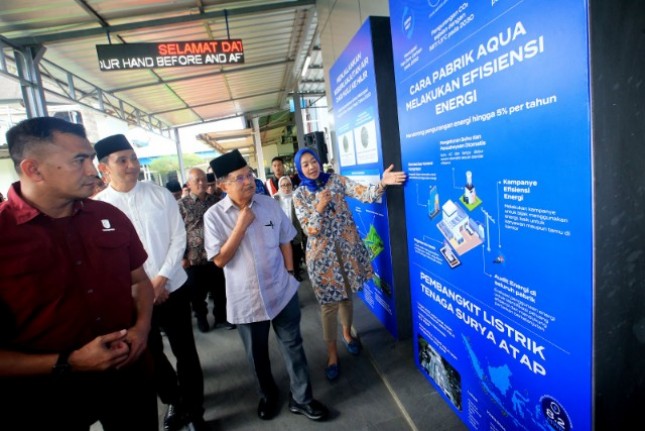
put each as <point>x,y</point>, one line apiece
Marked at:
<point>360,157</point>
<point>494,117</point>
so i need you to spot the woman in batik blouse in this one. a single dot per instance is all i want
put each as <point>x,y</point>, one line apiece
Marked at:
<point>337,261</point>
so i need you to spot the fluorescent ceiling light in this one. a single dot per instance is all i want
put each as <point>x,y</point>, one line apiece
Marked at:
<point>306,66</point>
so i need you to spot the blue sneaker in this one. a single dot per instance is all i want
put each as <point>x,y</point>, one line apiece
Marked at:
<point>353,347</point>
<point>332,372</point>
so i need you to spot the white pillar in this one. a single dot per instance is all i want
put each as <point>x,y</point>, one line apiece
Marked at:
<point>257,140</point>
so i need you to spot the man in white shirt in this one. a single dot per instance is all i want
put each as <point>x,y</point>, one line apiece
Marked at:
<point>155,215</point>
<point>249,236</point>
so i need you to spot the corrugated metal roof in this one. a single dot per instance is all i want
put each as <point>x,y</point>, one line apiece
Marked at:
<point>277,37</point>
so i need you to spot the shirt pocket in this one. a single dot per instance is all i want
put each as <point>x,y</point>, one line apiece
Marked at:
<point>111,251</point>
<point>29,272</point>
<point>26,260</point>
<point>268,231</point>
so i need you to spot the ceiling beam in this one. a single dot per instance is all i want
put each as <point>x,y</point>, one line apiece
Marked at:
<point>83,5</point>
<point>95,31</point>
<point>218,102</point>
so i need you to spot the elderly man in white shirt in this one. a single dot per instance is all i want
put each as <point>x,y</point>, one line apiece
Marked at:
<point>155,215</point>
<point>249,236</point>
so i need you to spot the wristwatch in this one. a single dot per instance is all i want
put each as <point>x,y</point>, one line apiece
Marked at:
<point>290,271</point>
<point>62,366</point>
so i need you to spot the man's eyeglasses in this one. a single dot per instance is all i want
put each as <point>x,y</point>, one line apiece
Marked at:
<point>241,178</point>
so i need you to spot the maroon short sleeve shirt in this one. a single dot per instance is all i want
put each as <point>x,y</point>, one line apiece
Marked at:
<point>64,281</point>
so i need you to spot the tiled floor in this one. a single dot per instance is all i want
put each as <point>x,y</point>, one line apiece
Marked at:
<point>379,390</point>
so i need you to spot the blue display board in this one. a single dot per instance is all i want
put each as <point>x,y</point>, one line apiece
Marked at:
<point>359,153</point>
<point>494,118</point>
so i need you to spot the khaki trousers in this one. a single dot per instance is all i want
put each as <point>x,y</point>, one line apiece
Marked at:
<point>330,313</point>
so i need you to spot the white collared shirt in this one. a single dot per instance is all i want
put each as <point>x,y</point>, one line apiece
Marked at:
<point>155,215</point>
<point>258,286</point>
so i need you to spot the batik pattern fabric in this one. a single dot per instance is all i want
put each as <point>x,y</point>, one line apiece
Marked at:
<point>333,239</point>
<point>192,210</point>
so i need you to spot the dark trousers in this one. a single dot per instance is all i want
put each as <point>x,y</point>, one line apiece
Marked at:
<point>121,400</point>
<point>286,326</point>
<point>298,256</point>
<point>184,388</point>
<point>303,248</point>
<point>203,280</point>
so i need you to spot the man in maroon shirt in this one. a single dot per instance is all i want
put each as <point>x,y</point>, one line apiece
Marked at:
<point>75,302</point>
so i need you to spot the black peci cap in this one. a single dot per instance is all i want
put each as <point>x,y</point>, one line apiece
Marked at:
<point>111,144</point>
<point>227,163</point>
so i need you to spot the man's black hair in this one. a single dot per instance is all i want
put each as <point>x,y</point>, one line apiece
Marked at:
<point>277,158</point>
<point>30,133</point>
<point>174,186</point>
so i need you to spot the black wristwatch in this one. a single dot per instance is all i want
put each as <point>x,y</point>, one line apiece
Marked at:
<point>291,272</point>
<point>62,366</point>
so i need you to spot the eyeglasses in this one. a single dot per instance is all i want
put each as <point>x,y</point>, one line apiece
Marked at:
<point>241,178</point>
<point>285,186</point>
